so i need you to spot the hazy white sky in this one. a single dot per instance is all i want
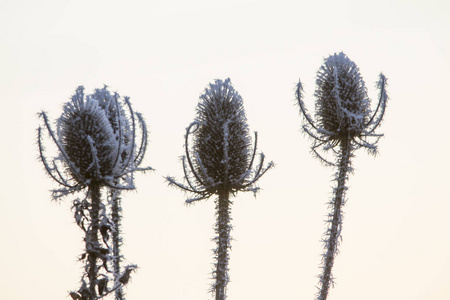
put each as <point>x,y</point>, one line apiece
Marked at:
<point>396,242</point>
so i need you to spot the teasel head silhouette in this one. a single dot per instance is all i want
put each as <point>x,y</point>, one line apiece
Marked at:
<point>222,157</point>
<point>97,145</point>
<point>343,123</point>
<point>220,163</point>
<point>343,109</point>
<point>97,142</point>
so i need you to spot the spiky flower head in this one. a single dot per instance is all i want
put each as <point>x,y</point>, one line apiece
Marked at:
<point>222,156</point>
<point>342,104</point>
<point>343,110</point>
<point>222,138</point>
<point>96,142</point>
<point>85,130</point>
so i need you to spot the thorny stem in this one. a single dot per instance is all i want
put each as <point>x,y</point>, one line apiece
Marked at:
<point>116,218</point>
<point>92,244</point>
<point>223,228</point>
<point>335,220</point>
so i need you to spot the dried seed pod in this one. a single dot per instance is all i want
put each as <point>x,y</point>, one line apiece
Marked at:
<point>222,156</point>
<point>222,139</point>
<point>342,104</point>
<point>88,139</point>
<point>97,141</point>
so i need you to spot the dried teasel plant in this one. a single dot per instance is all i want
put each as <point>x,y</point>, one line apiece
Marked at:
<point>343,123</point>
<point>220,162</point>
<point>98,145</point>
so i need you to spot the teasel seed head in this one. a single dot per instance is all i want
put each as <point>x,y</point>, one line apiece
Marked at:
<point>88,139</point>
<point>97,141</point>
<point>342,109</point>
<point>342,104</point>
<point>222,157</point>
<point>222,139</point>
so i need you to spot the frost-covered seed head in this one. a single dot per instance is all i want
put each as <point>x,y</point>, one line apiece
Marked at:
<point>222,139</point>
<point>96,135</point>
<point>342,105</point>
<point>96,142</point>
<point>88,138</point>
<point>222,156</point>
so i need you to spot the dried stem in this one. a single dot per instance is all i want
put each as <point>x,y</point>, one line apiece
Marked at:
<point>331,241</point>
<point>92,244</point>
<point>116,217</point>
<point>223,228</point>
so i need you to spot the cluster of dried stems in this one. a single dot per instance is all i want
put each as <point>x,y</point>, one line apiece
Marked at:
<point>98,147</point>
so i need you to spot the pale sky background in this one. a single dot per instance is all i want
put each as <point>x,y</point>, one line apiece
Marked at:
<point>396,234</point>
